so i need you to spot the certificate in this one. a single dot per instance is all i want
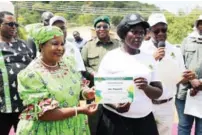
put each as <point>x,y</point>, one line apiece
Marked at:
<point>114,89</point>
<point>168,72</point>
<point>193,105</point>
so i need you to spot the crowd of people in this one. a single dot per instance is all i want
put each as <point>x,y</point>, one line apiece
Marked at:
<point>44,78</point>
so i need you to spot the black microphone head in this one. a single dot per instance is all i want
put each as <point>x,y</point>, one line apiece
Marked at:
<point>161,44</point>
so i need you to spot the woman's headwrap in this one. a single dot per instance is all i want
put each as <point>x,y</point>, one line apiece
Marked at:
<point>46,33</point>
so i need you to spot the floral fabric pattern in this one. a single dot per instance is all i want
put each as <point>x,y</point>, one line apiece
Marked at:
<point>42,90</point>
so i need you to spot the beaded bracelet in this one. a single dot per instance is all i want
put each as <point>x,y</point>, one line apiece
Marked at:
<point>84,97</point>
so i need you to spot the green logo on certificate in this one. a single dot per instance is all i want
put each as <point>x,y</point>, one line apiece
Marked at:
<point>114,89</point>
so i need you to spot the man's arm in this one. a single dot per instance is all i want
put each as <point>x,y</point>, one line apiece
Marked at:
<point>84,54</point>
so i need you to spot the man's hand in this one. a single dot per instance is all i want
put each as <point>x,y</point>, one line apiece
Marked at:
<point>193,92</point>
<point>187,75</point>
<point>159,54</point>
<point>196,86</point>
<point>195,83</point>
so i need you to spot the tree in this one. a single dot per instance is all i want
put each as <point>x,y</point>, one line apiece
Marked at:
<point>85,19</point>
<point>116,19</point>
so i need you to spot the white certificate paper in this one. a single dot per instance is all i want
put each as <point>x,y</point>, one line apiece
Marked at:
<point>114,89</point>
<point>193,105</point>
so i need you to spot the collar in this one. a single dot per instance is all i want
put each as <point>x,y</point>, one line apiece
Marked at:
<point>79,40</point>
<point>195,37</point>
<point>153,47</point>
<point>99,42</point>
<point>13,40</point>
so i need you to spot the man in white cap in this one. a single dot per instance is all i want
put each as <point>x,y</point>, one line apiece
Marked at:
<point>192,52</point>
<point>70,49</point>
<point>170,67</point>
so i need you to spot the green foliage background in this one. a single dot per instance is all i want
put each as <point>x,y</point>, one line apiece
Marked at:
<point>178,25</point>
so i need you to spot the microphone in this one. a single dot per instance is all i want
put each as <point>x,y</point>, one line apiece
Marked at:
<point>161,44</point>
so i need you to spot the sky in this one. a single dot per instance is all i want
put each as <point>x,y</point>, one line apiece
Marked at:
<point>175,5</point>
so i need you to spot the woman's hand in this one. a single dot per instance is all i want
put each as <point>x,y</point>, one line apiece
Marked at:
<point>123,107</point>
<point>89,109</point>
<point>89,94</point>
<point>141,83</point>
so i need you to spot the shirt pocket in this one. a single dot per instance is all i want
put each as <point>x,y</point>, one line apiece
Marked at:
<point>189,55</point>
<point>93,59</point>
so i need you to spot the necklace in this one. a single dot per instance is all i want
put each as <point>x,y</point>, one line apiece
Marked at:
<point>48,65</point>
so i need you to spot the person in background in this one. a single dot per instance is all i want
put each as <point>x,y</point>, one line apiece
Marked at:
<point>95,49</point>
<point>79,42</point>
<point>131,118</point>
<point>14,56</point>
<point>165,54</point>
<point>92,54</point>
<point>192,53</point>
<point>50,88</point>
<point>31,28</point>
<point>45,17</point>
<point>70,49</point>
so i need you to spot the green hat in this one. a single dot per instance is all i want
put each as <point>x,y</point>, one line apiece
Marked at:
<point>102,19</point>
<point>46,33</point>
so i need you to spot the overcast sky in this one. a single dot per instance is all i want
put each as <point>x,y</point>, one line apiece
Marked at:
<point>174,5</point>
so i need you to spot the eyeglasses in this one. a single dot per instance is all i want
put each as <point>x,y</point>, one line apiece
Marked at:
<point>157,31</point>
<point>11,24</point>
<point>105,27</point>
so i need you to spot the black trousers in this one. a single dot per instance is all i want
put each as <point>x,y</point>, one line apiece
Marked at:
<point>114,124</point>
<point>7,120</point>
<point>94,120</point>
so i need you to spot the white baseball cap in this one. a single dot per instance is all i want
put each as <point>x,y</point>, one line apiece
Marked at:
<point>199,19</point>
<point>56,18</point>
<point>155,18</point>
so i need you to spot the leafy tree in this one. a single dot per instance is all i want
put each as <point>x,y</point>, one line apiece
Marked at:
<point>85,19</point>
<point>116,19</point>
<point>75,13</point>
<point>65,15</point>
<point>179,26</point>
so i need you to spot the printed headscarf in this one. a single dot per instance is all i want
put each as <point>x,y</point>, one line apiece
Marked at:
<point>46,33</point>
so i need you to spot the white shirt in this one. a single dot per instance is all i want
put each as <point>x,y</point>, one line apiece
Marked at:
<point>174,57</point>
<point>80,44</point>
<point>72,50</point>
<point>119,63</point>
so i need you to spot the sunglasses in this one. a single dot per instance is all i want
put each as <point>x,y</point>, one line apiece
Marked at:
<point>11,24</point>
<point>157,31</point>
<point>105,27</point>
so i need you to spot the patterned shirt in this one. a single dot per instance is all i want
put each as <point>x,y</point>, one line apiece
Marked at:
<point>14,57</point>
